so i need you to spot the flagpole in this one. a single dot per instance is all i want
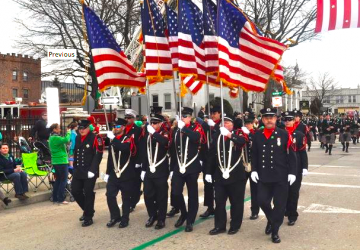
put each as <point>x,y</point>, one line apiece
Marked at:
<point>222,119</point>
<point>174,88</point>
<point>106,118</point>
<point>180,104</point>
<point>148,115</point>
<point>243,122</point>
<point>208,108</point>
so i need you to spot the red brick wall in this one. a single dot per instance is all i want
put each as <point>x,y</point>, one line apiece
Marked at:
<point>21,64</point>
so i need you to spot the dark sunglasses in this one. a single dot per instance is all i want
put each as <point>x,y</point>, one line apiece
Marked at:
<point>155,123</point>
<point>129,117</point>
<point>288,119</point>
<point>117,126</point>
<point>185,116</point>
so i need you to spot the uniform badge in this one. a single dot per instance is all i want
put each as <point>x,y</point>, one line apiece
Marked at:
<point>152,169</point>
<point>294,140</point>
<point>182,169</point>
<point>279,142</point>
<point>87,145</point>
<point>226,174</point>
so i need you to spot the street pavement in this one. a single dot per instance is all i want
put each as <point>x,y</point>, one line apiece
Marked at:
<point>329,209</point>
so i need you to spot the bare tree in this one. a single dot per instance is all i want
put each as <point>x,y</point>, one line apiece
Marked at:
<point>282,20</point>
<point>294,76</point>
<point>58,24</point>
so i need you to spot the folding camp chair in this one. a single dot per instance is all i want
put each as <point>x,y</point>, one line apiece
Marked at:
<point>6,185</point>
<point>36,177</point>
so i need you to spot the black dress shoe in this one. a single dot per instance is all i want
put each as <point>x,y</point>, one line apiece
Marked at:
<point>217,230</point>
<point>275,238</point>
<point>150,221</point>
<point>113,222</point>
<point>6,201</point>
<point>291,223</point>
<point>254,217</point>
<point>87,223</point>
<point>82,218</point>
<point>233,231</point>
<point>209,212</point>
<point>268,229</point>
<point>159,225</point>
<point>180,221</point>
<point>189,228</point>
<point>123,224</point>
<point>173,212</point>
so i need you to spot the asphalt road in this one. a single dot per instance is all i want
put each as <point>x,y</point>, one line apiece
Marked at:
<point>329,218</point>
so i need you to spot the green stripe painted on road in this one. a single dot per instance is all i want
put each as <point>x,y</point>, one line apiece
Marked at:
<point>176,231</point>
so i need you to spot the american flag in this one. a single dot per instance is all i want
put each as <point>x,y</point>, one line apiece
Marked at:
<point>337,14</point>
<point>112,67</point>
<point>210,37</point>
<point>157,52</point>
<point>172,26</point>
<point>279,77</point>
<point>246,59</point>
<point>193,85</point>
<point>190,38</point>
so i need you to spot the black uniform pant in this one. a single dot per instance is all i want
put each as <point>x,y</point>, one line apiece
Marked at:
<point>178,182</point>
<point>136,191</point>
<point>156,196</point>
<point>83,192</point>
<point>278,192</point>
<point>293,198</point>
<point>112,189</point>
<point>235,192</point>
<point>208,194</point>
<point>253,191</point>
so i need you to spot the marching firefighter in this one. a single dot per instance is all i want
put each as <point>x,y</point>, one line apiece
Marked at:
<point>155,171</point>
<point>329,129</point>
<point>226,167</point>
<point>345,134</point>
<point>273,166</point>
<point>87,158</point>
<point>300,126</point>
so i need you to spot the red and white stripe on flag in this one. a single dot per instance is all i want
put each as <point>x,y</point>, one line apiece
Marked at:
<point>193,85</point>
<point>173,44</point>
<point>337,14</point>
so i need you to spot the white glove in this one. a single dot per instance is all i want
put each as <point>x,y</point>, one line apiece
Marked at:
<point>201,163</point>
<point>181,124</point>
<point>291,178</point>
<point>106,178</point>
<point>245,130</point>
<point>254,176</point>
<point>177,118</point>
<point>171,174</point>
<point>137,165</point>
<point>305,172</point>
<point>90,175</point>
<point>211,123</point>
<point>224,131</point>
<point>142,175</point>
<point>208,178</point>
<point>110,135</point>
<point>150,129</point>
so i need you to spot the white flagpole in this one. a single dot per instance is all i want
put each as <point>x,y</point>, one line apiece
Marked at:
<point>222,119</point>
<point>180,104</point>
<point>148,114</point>
<point>208,108</point>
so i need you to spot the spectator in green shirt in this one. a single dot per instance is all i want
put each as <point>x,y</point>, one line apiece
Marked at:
<point>60,162</point>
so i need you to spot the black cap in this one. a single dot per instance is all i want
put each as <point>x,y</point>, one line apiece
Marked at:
<point>120,121</point>
<point>84,124</point>
<point>268,112</point>
<point>156,117</point>
<point>156,110</point>
<point>288,114</point>
<point>228,118</point>
<point>297,113</point>
<point>186,111</point>
<point>214,109</point>
<point>249,118</point>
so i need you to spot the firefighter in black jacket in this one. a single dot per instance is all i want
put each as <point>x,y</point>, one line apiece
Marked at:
<point>300,126</point>
<point>88,154</point>
<point>273,165</point>
<point>120,173</point>
<point>229,175</point>
<point>329,129</point>
<point>185,165</point>
<point>155,171</point>
<point>299,146</point>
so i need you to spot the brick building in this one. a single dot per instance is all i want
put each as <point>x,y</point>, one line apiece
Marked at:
<point>20,76</point>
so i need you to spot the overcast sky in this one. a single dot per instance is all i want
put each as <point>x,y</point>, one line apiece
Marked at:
<point>337,52</point>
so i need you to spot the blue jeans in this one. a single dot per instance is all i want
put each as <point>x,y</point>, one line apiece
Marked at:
<point>61,172</point>
<point>20,182</point>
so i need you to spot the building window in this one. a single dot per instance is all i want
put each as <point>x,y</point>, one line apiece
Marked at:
<point>167,98</point>
<point>14,75</point>
<point>326,99</point>
<point>155,100</point>
<point>15,93</point>
<point>354,98</point>
<point>349,100</point>
<point>25,93</point>
<point>25,76</point>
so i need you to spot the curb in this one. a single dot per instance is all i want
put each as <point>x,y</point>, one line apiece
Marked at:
<point>39,197</point>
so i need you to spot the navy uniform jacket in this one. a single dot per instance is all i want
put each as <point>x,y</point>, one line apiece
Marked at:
<point>299,146</point>
<point>87,155</point>
<point>238,173</point>
<point>163,138</point>
<point>125,145</point>
<point>195,133</point>
<point>326,125</point>
<point>272,158</point>
<point>301,127</point>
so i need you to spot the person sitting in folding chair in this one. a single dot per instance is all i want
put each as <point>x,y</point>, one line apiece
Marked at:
<point>13,172</point>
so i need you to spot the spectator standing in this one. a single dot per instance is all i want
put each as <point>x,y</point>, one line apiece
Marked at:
<point>40,131</point>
